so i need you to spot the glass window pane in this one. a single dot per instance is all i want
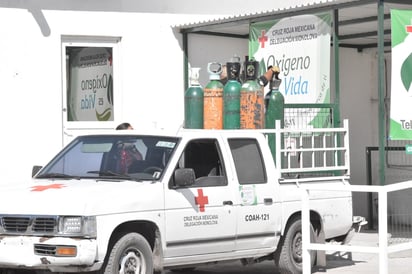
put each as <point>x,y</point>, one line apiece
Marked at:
<point>89,84</point>
<point>248,160</point>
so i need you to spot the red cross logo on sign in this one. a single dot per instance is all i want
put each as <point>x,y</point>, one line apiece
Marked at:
<point>41,188</point>
<point>201,200</point>
<point>262,39</point>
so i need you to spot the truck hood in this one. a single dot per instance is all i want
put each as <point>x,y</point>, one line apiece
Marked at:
<point>80,197</point>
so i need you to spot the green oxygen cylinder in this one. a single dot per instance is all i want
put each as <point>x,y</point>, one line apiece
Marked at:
<point>251,99</point>
<point>231,95</point>
<point>213,98</point>
<point>275,105</point>
<point>194,101</point>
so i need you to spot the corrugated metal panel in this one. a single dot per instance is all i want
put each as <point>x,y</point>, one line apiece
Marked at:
<point>316,6</point>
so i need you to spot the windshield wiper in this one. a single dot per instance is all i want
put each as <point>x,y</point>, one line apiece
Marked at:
<point>112,175</point>
<point>57,175</point>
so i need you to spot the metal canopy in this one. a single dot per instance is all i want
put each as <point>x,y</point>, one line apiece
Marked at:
<point>359,24</point>
<point>357,21</point>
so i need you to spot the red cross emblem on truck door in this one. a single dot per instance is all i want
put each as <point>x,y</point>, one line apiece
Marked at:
<point>201,200</point>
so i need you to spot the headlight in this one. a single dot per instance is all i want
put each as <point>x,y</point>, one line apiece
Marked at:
<point>78,226</point>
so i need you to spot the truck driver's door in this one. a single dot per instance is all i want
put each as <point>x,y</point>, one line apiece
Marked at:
<point>200,219</point>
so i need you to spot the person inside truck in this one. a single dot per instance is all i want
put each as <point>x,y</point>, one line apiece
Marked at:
<point>129,156</point>
<point>128,153</point>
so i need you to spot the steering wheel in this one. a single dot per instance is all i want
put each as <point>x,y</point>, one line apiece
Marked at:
<point>152,169</point>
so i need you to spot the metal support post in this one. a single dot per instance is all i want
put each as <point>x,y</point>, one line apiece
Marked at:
<point>306,265</point>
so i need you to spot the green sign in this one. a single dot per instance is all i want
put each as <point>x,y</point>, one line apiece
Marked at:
<point>401,87</point>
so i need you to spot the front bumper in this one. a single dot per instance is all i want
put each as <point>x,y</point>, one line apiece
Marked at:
<point>30,252</point>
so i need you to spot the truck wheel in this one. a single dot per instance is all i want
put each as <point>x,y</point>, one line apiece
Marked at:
<point>130,254</point>
<point>288,257</point>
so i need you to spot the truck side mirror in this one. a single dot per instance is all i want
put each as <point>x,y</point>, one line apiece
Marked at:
<point>184,177</point>
<point>34,170</point>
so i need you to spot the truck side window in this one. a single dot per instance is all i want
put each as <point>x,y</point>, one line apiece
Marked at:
<point>248,161</point>
<point>204,157</point>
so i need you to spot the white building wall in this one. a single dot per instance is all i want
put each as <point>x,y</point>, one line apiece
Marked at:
<point>359,104</point>
<point>204,49</point>
<point>151,76</point>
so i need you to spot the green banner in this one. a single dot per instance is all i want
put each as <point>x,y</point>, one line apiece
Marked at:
<point>401,91</point>
<point>300,47</point>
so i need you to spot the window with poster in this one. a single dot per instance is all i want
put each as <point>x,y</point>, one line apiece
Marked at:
<point>89,83</point>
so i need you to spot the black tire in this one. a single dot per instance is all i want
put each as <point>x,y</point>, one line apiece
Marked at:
<point>130,254</point>
<point>288,257</point>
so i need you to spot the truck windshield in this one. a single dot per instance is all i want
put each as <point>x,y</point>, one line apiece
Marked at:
<point>123,157</point>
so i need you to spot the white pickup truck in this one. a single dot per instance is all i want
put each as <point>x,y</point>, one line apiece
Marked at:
<point>127,202</point>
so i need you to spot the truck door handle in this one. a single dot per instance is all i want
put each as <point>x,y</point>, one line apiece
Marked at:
<point>268,201</point>
<point>227,203</point>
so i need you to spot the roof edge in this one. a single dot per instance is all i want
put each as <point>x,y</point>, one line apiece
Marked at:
<point>325,5</point>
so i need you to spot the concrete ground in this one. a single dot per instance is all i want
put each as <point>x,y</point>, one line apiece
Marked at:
<point>368,263</point>
<point>336,262</point>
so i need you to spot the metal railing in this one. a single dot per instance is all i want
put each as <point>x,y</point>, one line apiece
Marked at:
<point>384,247</point>
<point>309,115</point>
<point>398,169</point>
<point>313,150</point>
